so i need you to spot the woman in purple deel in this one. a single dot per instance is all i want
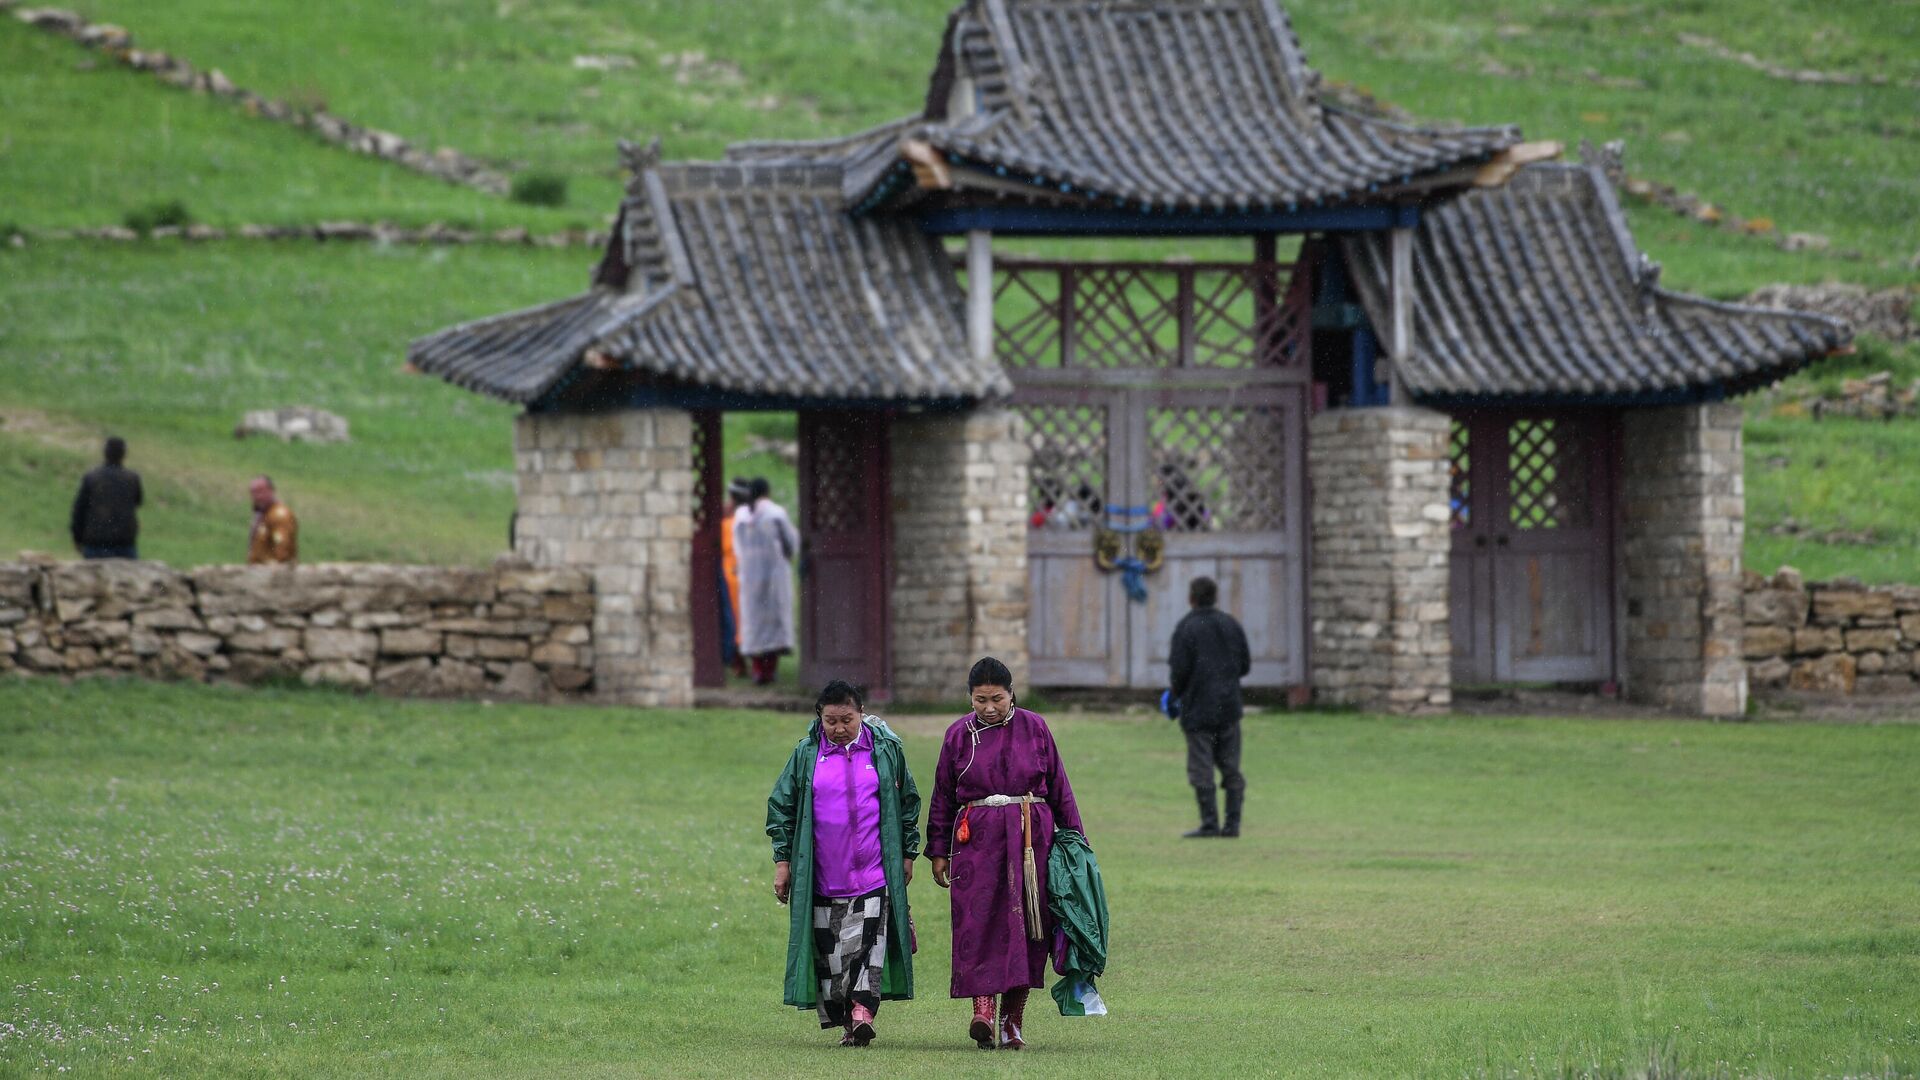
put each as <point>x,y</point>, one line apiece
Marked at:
<point>845,821</point>
<point>999,792</point>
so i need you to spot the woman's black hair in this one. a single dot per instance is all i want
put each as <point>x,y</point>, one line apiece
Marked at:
<point>989,672</point>
<point>760,489</point>
<point>839,692</point>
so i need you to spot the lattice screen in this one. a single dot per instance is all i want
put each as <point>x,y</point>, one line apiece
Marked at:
<point>1216,469</point>
<point>1460,484</point>
<point>1134,315</point>
<point>1026,331</point>
<point>1068,472</point>
<point>1546,484</point>
<point>1125,318</point>
<point>839,483</point>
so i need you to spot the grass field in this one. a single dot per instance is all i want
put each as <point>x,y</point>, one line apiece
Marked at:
<point>215,882</point>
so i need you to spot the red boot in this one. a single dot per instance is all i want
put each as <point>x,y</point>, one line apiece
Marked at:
<point>982,1027</point>
<point>1013,1013</point>
<point>862,1027</point>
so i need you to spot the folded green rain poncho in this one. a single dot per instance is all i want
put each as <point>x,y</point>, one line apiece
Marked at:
<point>1079,904</point>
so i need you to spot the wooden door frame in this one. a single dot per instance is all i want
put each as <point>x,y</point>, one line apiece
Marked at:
<point>704,563</point>
<point>1119,453</point>
<point>877,480</point>
<point>1605,484</point>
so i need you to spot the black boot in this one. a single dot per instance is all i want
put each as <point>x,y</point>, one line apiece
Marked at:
<point>1234,799</point>
<point>1209,815</point>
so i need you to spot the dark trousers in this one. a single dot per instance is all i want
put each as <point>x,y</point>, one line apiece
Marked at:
<point>1210,750</point>
<point>91,551</point>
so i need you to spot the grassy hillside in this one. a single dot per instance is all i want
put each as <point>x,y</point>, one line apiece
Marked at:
<point>83,142</point>
<point>497,78</point>
<point>168,343</point>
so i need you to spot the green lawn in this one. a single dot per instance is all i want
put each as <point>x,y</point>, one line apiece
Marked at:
<point>221,882</point>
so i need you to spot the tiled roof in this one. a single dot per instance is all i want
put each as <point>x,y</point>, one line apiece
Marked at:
<point>746,277</point>
<point>1189,104</point>
<point>1535,290</point>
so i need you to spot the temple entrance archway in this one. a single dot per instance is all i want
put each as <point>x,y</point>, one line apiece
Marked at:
<point>1531,514</point>
<point>1165,406</point>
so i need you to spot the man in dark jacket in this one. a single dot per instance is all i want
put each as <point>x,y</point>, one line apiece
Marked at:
<point>104,523</point>
<point>1209,659</point>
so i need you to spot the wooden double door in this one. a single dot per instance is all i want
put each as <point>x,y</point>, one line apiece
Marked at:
<point>1215,475</point>
<point>1532,519</point>
<point>846,550</point>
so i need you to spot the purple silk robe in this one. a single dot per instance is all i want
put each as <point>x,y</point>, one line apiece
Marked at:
<point>991,952</point>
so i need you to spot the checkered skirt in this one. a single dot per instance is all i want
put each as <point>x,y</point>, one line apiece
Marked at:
<point>849,949</point>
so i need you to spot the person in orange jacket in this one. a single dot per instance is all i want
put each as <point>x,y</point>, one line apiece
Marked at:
<point>741,492</point>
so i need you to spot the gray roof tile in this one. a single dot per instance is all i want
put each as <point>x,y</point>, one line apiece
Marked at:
<point>1536,291</point>
<point>1193,104</point>
<point>747,277</point>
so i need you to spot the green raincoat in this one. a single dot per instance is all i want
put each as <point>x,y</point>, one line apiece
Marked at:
<point>1078,899</point>
<point>790,824</point>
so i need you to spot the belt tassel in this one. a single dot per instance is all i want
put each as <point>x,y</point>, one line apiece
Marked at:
<point>1032,877</point>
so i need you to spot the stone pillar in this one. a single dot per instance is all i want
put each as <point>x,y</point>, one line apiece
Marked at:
<point>1684,520</point>
<point>1378,585</point>
<point>613,493</point>
<point>960,549</point>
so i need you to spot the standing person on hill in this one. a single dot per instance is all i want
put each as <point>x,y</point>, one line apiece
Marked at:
<point>999,793</point>
<point>105,523</point>
<point>845,821</point>
<point>765,543</point>
<point>1209,658</point>
<point>275,537</point>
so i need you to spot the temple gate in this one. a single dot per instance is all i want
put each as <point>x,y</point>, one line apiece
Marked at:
<point>1166,412</point>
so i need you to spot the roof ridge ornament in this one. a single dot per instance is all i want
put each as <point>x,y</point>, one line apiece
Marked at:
<point>638,158</point>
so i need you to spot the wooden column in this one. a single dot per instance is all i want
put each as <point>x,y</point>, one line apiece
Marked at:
<point>980,293</point>
<point>1266,299</point>
<point>1400,333</point>
<point>709,518</point>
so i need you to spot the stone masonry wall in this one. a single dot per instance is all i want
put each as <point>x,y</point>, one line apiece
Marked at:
<point>1380,558</point>
<point>612,494</point>
<point>1684,521</point>
<point>509,632</point>
<point>1837,637</point>
<point>960,549</point>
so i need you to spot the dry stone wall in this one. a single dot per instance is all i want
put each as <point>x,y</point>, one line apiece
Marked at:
<point>508,632</point>
<point>1833,637</point>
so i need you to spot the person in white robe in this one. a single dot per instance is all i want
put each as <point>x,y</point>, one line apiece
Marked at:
<point>765,543</point>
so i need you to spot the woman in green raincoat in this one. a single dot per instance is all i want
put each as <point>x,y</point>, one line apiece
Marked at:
<point>845,821</point>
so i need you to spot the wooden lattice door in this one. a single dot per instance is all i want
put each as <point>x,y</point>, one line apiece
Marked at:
<point>846,550</point>
<point>1077,622</point>
<point>1167,398</point>
<point>1224,481</point>
<point>1532,565</point>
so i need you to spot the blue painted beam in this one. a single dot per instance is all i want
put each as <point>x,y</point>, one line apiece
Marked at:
<point>1076,221</point>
